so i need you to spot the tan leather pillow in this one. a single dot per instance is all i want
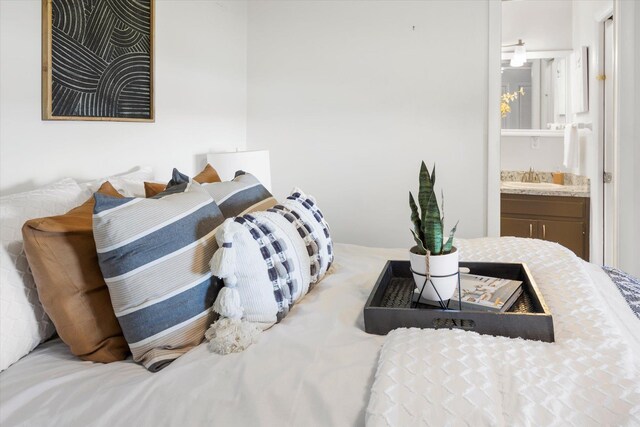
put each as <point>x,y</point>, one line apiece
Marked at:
<point>153,188</point>
<point>62,256</point>
<point>206,176</point>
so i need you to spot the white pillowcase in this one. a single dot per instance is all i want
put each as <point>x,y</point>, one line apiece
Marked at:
<point>265,267</point>
<point>23,322</point>
<point>129,184</point>
<point>313,227</point>
<point>268,261</point>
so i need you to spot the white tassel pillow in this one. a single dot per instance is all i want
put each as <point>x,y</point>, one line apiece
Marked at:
<point>267,260</point>
<point>303,212</point>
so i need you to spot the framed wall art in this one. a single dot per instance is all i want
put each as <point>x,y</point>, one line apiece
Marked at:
<point>97,60</point>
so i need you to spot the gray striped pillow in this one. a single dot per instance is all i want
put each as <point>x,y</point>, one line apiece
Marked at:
<point>241,195</point>
<point>154,255</point>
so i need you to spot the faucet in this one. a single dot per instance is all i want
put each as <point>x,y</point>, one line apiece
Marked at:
<point>530,176</point>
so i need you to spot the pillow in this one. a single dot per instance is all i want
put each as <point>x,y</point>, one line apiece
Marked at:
<point>23,322</point>
<point>302,211</point>
<point>153,188</point>
<point>62,256</point>
<point>207,175</point>
<point>241,195</point>
<point>130,184</point>
<point>268,261</point>
<point>265,267</point>
<point>154,256</point>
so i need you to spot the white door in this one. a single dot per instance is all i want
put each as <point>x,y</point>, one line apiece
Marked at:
<point>608,156</point>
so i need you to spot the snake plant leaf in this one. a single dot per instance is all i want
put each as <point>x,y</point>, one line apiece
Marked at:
<point>442,217</point>
<point>425,215</point>
<point>432,225</point>
<point>449,245</point>
<point>415,217</point>
<point>442,210</point>
<point>421,248</point>
<point>425,190</point>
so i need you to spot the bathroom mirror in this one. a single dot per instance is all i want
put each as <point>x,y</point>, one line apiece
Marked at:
<point>534,95</point>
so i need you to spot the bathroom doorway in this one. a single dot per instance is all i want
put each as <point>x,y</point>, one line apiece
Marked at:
<point>557,117</point>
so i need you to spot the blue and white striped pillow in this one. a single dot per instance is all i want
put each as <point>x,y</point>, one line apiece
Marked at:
<point>243,194</point>
<point>154,255</point>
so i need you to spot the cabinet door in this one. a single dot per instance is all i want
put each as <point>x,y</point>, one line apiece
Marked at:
<point>518,227</point>
<point>570,234</point>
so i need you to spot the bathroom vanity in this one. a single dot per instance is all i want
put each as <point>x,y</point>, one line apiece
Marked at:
<point>557,213</point>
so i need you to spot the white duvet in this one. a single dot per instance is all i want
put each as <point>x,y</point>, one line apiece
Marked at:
<point>316,368</point>
<point>589,376</point>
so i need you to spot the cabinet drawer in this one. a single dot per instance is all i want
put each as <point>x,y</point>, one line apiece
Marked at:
<point>518,227</point>
<point>563,207</point>
<point>570,234</point>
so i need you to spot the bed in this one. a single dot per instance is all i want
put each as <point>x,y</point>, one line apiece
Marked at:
<point>317,367</point>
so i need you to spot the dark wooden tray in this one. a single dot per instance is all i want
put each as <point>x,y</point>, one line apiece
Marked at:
<point>390,305</point>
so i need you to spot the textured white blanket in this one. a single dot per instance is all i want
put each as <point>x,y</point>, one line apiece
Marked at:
<point>589,376</point>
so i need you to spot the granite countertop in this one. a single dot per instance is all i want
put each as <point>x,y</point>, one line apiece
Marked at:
<point>575,185</point>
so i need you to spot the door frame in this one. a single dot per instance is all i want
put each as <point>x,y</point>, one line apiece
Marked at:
<point>597,239</point>
<point>494,82</point>
<point>626,233</point>
<point>607,151</point>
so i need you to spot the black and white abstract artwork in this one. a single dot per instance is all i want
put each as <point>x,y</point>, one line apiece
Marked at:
<point>99,60</point>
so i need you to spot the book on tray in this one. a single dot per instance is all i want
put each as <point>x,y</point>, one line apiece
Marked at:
<point>482,293</point>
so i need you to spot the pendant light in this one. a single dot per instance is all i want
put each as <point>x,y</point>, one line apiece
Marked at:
<point>519,55</point>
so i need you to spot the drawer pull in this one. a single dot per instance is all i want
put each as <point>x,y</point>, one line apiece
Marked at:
<point>530,230</point>
<point>544,232</point>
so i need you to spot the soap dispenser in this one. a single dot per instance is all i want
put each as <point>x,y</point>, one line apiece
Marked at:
<point>557,177</point>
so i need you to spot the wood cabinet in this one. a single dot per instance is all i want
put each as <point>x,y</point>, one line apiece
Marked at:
<point>564,220</point>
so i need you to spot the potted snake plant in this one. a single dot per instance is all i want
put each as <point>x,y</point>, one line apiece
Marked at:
<point>431,251</point>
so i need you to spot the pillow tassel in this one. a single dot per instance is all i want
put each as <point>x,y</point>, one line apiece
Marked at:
<point>229,333</point>
<point>223,265</point>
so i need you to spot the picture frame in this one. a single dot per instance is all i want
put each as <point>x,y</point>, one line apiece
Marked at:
<point>98,60</point>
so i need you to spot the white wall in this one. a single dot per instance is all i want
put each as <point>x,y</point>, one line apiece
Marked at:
<point>633,241</point>
<point>521,153</point>
<point>200,99</point>
<point>630,261</point>
<point>628,105</point>
<point>349,96</point>
<point>541,24</point>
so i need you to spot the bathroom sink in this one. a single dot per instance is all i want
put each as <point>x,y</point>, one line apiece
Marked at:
<point>516,185</point>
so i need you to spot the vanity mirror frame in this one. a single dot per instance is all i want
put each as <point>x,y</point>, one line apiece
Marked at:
<point>541,54</point>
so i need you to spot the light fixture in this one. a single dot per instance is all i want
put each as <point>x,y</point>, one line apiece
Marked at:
<point>254,162</point>
<point>519,54</point>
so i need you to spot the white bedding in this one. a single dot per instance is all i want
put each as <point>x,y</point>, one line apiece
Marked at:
<point>588,377</point>
<point>316,368</point>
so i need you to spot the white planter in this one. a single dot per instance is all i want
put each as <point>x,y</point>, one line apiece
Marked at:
<point>441,265</point>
